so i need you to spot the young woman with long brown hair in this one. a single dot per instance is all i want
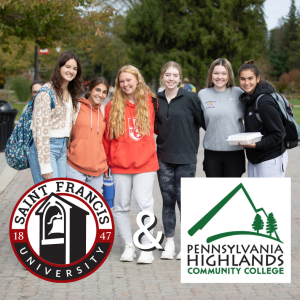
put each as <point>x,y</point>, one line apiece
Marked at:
<point>223,114</point>
<point>130,148</point>
<point>86,155</point>
<point>51,126</point>
<point>268,157</point>
<point>179,119</point>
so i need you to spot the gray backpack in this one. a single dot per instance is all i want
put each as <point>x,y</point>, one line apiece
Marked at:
<point>292,129</point>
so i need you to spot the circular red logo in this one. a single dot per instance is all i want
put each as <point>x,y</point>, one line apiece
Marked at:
<point>62,230</point>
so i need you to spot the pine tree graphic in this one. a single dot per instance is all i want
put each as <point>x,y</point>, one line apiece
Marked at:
<point>258,223</point>
<point>271,224</point>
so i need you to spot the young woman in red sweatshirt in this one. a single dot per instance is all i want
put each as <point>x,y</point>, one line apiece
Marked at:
<point>130,148</point>
<point>86,156</point>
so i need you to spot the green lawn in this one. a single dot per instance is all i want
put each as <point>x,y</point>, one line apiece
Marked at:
<point>295,101</point>
<point>296,111</point>
<point>20,107</point>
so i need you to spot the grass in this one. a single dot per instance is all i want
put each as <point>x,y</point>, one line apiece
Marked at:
<point>20,107</point>
<point>296,111</point>
<point>295,101</point>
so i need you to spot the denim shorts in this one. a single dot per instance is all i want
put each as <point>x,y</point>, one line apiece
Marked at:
<point>58,158</point>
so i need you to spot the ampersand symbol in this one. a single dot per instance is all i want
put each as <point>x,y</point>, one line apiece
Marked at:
<point>145,230</point>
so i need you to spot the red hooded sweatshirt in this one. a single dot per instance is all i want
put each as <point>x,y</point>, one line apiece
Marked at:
<point>131,153</point>
<point>86,152</point>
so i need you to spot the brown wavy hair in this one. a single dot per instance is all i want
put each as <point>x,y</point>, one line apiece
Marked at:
<point>75,87</point>
<point>227,65</point>
<point>94,82</point>
<point>116,121</point>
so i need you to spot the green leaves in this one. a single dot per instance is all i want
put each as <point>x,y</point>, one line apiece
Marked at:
<point>194,33</point>
<point>46,22</point>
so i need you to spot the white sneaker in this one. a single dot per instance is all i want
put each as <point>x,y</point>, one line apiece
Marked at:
<point>129,252</point>
<point>146,257</point>
<point>169,251</point>
<point>178,255</point>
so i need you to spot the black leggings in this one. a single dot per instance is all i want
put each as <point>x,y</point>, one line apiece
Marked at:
<point>224,163</point>
<point>169,178</point>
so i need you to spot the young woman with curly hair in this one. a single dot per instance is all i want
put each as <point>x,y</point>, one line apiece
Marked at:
<point>130,148</point>
<point>52,120</point>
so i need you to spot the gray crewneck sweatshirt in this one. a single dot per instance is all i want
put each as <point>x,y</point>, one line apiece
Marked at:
<point>223,114</point>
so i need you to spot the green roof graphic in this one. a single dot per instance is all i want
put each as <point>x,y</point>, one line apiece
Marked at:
<point>257,224</point>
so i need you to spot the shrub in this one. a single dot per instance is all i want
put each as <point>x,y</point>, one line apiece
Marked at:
<point>21,86</point>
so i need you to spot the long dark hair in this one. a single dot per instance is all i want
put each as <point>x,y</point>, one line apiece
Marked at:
<point>94,82</point>
<point>75,87</point>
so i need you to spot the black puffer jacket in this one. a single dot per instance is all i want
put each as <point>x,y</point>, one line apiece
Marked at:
<point>271,126</point>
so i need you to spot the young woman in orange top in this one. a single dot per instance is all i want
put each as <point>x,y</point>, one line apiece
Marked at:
<point>86,155</point>
<point>130,148</point>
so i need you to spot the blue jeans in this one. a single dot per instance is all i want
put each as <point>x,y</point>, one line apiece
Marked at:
<point>94,181</point>
<point>58,159</point>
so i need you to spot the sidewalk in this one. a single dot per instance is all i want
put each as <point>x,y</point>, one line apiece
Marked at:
<point>7,174</point>
<point>117,280</point>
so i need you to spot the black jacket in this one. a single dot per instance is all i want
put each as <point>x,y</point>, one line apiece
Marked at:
<point>178,124</point>
<point>271,126</point>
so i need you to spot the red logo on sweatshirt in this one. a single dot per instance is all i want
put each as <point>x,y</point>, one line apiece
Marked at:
<point>134,132</point>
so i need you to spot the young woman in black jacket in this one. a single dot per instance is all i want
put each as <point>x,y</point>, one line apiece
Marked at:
<point>178,120</point>
<point>268,157</point>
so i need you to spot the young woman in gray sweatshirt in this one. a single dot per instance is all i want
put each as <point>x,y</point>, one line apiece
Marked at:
<point>223,114</point>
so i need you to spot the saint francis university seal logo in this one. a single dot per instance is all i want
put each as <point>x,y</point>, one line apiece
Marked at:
<point>236,230</point>
<point>61,230</point>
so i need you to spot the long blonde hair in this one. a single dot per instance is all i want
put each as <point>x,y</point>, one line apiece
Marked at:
<point>227,65</point>
<point>116,121</point>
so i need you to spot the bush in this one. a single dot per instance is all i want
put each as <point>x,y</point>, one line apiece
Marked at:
<point>21,86</point>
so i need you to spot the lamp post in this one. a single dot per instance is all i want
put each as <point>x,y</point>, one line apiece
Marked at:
<point>36,62</point>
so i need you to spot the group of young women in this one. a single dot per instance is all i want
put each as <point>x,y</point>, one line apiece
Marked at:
<point>79,138</point>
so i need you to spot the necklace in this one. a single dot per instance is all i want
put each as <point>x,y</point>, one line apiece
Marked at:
<point>218,94</point>
<point>66,98</point>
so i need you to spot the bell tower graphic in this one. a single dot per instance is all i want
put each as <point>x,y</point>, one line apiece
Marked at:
<point>62,230</point>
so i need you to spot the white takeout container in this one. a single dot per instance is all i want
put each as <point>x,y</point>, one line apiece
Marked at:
<point>245,138</point>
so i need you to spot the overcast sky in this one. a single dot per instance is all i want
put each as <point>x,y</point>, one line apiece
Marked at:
<point>275,9</point>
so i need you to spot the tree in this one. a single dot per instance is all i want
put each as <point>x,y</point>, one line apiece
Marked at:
<point>47,22</point>
<point>20,58</point>
<point>194,33</point>
<point>110,52</point>
<point>258,223</point>
<point>278,54</point>
<point>284,44</point>
<point>271,224</point>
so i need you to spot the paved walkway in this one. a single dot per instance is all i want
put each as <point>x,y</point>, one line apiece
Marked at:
<point>117,280</point>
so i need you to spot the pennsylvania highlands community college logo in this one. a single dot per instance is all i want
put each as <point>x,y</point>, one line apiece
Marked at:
<point>236,230</point>
<point>61,230</point>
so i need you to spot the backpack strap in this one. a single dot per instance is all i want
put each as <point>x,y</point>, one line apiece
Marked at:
<point>49,91</point>
<point>274,96</point>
